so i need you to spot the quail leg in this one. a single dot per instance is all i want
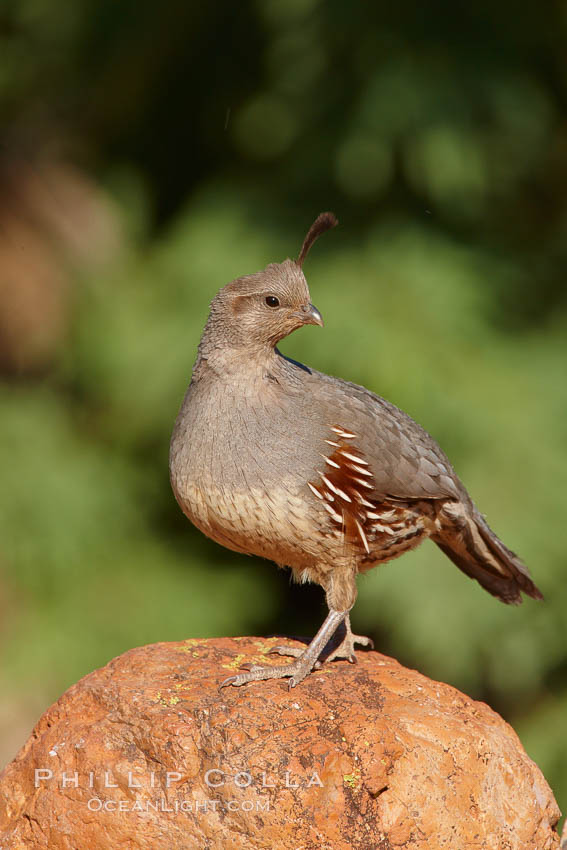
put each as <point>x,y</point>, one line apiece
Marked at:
<point>297,670</point>
<point>345,649</point>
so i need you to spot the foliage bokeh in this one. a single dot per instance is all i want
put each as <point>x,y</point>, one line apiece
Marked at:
<point>149,154</point>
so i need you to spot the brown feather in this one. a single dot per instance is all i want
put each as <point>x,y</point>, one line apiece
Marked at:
<point>345,488</point>
<point>324,221</point>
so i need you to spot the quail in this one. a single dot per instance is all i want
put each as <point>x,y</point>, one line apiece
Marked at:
<point>272,458</point>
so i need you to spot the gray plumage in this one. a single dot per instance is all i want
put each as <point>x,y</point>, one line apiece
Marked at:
<point>275,459</point>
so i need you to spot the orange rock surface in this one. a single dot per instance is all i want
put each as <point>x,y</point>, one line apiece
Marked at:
<point>147,753</point>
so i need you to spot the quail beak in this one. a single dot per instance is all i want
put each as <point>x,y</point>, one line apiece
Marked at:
<point>310,315</point>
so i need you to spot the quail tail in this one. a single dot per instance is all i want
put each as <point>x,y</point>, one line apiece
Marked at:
<point>471,544</point>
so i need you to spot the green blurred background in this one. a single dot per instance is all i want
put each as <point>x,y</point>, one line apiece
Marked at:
<point>149,153</point>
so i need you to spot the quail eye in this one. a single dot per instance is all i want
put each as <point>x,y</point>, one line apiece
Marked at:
<point>272,301</point>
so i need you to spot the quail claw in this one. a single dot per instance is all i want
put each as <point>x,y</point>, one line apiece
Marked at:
<point>293,651</point>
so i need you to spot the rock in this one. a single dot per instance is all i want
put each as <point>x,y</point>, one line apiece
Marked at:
<point>147,753</point>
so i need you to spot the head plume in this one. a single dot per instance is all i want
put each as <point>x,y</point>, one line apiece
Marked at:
<point>324,221</point>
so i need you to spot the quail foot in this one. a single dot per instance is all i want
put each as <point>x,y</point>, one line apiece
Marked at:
<point>272,458</point>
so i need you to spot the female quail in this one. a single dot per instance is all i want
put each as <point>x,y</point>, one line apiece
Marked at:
<point>272,458</point>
